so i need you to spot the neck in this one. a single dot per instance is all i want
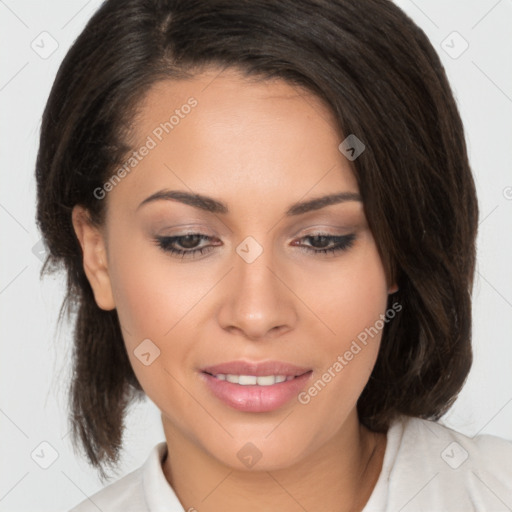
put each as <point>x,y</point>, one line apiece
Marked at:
<point>340,476</point>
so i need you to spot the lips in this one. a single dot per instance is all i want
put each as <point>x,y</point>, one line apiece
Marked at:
<point>255,398</point>
<point>256,369</point>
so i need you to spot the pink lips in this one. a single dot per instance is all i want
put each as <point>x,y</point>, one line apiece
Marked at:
<point>258,369</point>
<point>255,398</point>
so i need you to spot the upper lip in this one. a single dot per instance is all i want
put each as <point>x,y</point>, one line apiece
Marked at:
<point>257,369</point>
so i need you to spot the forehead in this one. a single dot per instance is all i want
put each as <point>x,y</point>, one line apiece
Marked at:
<point>232,137</point>
<point>223,90</point>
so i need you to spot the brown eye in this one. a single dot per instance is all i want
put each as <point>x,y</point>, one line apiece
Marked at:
<point>325,243</point>
<point>184,245</point>
<point>189,241</point>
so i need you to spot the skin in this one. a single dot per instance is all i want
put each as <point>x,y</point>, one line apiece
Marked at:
<point>258,147</point>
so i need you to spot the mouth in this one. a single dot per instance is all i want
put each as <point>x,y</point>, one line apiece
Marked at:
<point>241,368</point>
<point>255,387</point>
<point>254,380</point>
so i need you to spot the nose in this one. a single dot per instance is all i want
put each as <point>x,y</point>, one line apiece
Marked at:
<point>257,303</point>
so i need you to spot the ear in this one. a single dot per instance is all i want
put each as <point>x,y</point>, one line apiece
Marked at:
<point>94,252</point>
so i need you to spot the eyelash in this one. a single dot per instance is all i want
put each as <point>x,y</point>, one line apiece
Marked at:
<point>344,242</point>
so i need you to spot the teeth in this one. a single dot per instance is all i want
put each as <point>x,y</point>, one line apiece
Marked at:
<point>251,380</point>
<point>247,380</point>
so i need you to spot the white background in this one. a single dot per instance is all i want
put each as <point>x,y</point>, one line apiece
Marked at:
<point>35,356</point>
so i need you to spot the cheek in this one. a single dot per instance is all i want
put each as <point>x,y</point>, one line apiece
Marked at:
<point>155,301</point>
<point>351,303</point>
<point>152,293</point>
<point>352,297</point>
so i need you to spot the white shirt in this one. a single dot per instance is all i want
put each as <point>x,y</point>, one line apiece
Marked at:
<point>427,467</point>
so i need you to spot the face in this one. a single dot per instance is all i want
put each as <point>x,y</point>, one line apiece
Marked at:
<point>242,274</point>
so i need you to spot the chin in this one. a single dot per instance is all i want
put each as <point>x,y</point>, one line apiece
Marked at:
<point>261,451</point>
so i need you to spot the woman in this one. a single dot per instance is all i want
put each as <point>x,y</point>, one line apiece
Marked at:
<point>267,218</point>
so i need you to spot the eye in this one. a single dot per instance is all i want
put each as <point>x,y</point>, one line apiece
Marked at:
<point>326,243</point>
<point>187,246</point>
<point>188,243</point>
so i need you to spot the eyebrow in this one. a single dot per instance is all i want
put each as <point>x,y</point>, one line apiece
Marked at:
<point>211,205</point>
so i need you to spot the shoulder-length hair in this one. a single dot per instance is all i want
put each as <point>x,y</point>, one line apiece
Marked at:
<point>383,81</point>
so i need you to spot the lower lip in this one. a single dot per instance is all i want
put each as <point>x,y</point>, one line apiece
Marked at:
<point>255,398</point>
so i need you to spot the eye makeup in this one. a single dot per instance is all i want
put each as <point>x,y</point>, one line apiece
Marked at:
<point>189,245</point>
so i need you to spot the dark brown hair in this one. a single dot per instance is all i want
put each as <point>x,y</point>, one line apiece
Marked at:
<point>383,81</point>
